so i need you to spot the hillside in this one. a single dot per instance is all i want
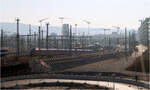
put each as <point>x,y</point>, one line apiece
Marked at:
<point>24,28</point>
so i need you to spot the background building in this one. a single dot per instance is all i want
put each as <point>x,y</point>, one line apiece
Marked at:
<point>65,30</point>
<point>144,31</point>
<point>65,36</point>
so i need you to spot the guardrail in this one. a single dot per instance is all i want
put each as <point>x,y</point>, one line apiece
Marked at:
<point>77,77</point>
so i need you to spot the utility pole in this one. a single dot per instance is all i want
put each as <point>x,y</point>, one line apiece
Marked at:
<point>130,42</point>
<point>28,41</point>
<point>76,29</point>
<point>42,40</point>
<point>109,42</point>
<point>70,40</point>
<point>39,41</point>
<point>104,38</point>
<point>35,39</point>
<point>76,37</point>
<point>126,43</point>
<point>2,39</point>
<point>29,36</point>
<point>83,41</point>
<point>47,24</point>
<point>18,46</point>
<point>148,46</point>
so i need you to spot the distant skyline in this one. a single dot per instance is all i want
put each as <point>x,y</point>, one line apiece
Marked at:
<point>10,28</point>
<point>101,13</point>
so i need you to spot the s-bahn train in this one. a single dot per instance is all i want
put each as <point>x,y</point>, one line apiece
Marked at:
<point>44,51</point>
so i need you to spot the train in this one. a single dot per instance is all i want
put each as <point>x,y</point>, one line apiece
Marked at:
<point>52,51</point>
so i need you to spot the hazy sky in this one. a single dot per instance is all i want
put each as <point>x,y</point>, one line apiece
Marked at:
<point>101,13</point>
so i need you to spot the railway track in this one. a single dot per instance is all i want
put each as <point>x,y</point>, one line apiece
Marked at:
<point>82,56</point>
<point>60,64</point>
<point>75,56</point>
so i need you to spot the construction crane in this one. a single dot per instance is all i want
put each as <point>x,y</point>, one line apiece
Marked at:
<point>42,20</point>
<point>106,30</point>
<point>40,28</point>
<point>88,22</point>
<point>105,35</point>
<point>116,27</point>
<point>62,18</point>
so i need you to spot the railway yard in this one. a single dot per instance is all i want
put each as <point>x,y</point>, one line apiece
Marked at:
<point>60,62</point>
<point>108,62</point>
<point>89,64</point>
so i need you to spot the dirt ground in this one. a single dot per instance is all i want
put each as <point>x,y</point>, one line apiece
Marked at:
<point>112,65</point>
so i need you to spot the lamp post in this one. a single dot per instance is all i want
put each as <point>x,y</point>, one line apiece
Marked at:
<point>40,28</point>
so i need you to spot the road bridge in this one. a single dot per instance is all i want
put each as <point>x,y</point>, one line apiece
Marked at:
<point>111,82</point>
